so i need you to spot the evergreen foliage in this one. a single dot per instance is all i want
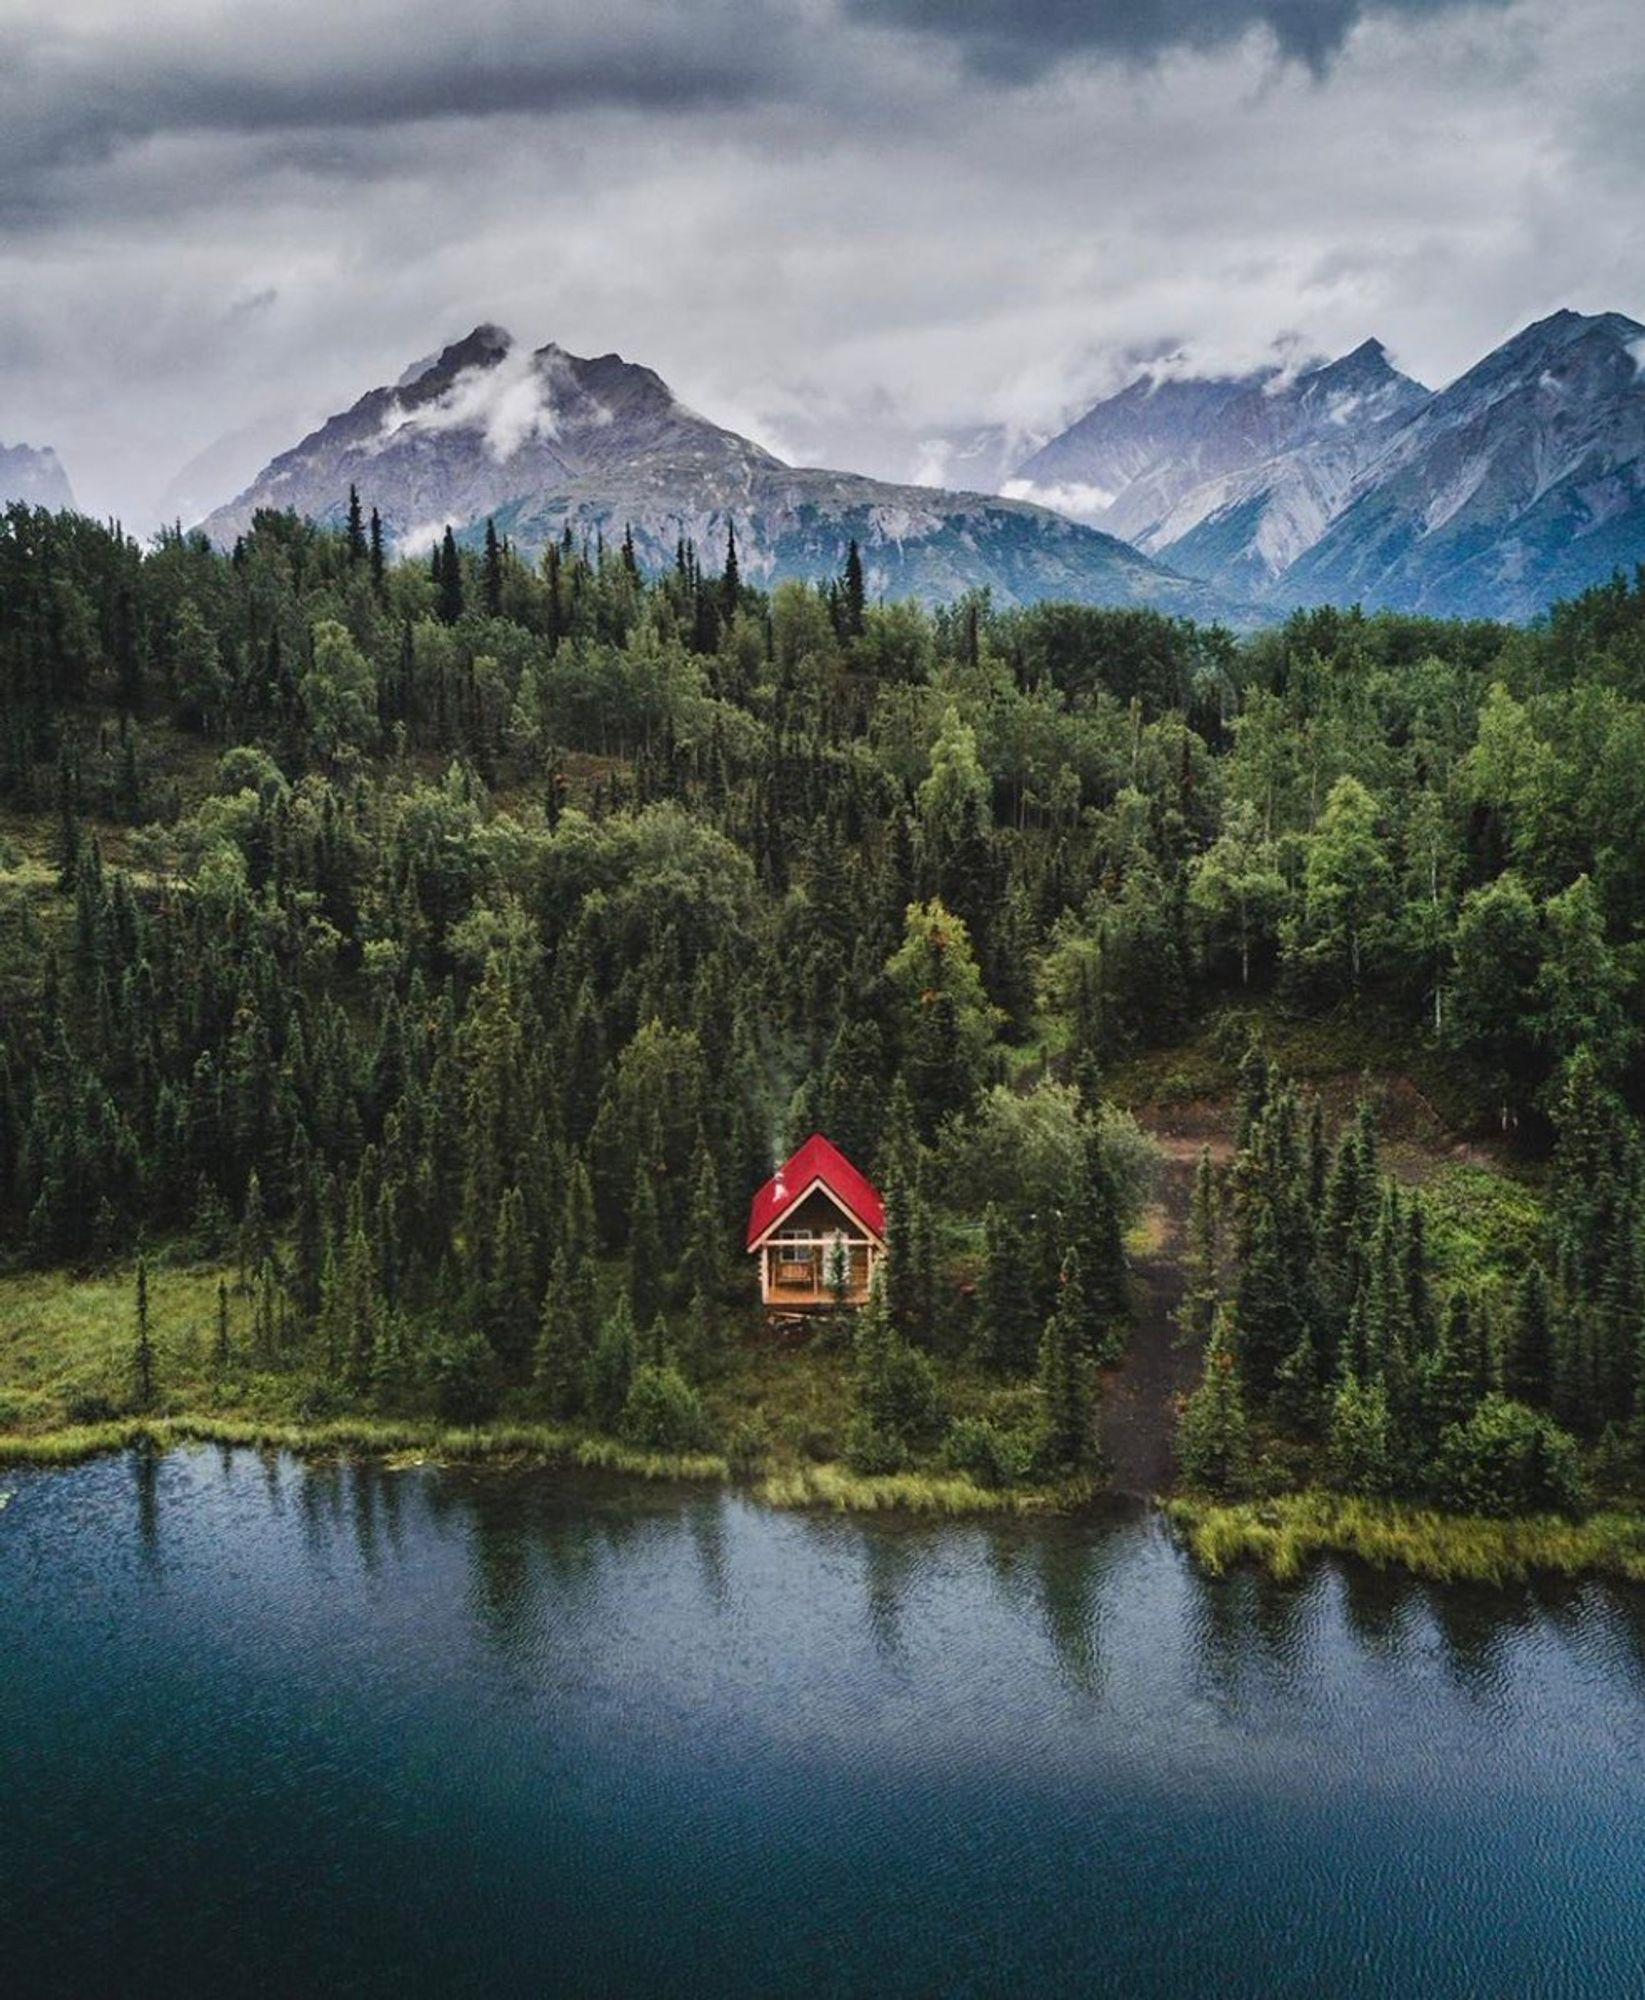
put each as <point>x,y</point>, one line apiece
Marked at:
<point>431,942</point>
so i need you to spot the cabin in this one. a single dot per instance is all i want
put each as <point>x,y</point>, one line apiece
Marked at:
<point>818,1229</point>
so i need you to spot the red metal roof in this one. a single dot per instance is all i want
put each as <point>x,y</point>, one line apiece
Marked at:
<point>817,1160</point>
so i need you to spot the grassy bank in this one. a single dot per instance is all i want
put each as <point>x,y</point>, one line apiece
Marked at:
<point>1285,1534</point>
<point>824,1487</point>
<point>65,1391</point>
<point>836,1489</point>
<point>543,1444</point>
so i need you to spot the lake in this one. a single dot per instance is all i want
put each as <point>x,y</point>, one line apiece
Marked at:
<point>268,1727</point>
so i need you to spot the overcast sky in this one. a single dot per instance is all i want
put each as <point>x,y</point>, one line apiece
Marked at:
<point>839,225</point>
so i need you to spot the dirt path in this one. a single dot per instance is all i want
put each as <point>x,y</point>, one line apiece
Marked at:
<point>1139,1397</point>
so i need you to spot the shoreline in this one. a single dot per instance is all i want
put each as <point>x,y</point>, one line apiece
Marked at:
<point>1284,1536</point>
<point>824,1487</point>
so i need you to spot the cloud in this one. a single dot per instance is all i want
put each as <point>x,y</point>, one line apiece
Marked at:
<point>827,223</point>
<point>1021,39</point>
<point>508,403</point>
<point>83,80</point>
<point>1083,502</point>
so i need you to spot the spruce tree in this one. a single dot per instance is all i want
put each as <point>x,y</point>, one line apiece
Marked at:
<point>611,1368</point>
<point>1099,1240</point>
<point>731,581</point>
<point>143,1362</point>
<point>1201,1265</point>
<point>255,1240</point>
<point>356,528</point>
<point>1213,1436</point>
<point>512,1286</point>
<point>853,592</point>
<point>220,1352</point>
<point>449,579</point>
<point>646,1275</point>
<point>1528,1361</point>
<point>491,573</point>
<point>1067,1389</point>
<point>1359,1449</point>
<point>1006,1322</point>
<point>564,1344</point>
<point>703,1268</point>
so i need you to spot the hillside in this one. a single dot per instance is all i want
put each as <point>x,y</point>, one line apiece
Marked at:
<point>412,971</point>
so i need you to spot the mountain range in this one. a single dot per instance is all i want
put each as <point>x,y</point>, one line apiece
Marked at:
<point>1238,497</point>
<point>537,440</point>
<point>34,476</point>
<point>1348,482</point>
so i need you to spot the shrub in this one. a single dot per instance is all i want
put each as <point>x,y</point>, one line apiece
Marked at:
<point>1508,1459</point>
<point>748,1446</point>
<point>988,1453</point>
<point>462,1377</point>
<point>663,1412</point>
<point>871,1449</point>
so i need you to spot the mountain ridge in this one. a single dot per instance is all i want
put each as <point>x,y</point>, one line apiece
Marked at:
<point>539,439</point>
<point>1348,482</point>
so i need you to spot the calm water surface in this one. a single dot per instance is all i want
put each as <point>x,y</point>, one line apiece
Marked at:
<point>267,1728</point>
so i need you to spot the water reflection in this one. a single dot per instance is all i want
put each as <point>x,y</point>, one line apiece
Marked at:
<point>1065,1570</point>
<point>145,1468</point>
<point>475,1731</point>
<point>888,1565</point>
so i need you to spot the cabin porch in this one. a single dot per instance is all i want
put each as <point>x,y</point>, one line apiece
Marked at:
<point>798,1269</point>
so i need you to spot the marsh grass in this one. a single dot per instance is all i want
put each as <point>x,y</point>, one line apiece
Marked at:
<point>403,1442</point>
<point>834,1488</point>
<point>1284,1535</point>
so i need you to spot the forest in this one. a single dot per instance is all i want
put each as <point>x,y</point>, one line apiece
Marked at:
<point>411,969</point>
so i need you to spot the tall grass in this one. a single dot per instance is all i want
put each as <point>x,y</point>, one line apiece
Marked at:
<point>1283,1535</point>
<point>545,1444</point>
<point>835,1488</point>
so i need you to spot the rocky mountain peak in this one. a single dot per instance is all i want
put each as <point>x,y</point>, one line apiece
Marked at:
<point>33,476</point>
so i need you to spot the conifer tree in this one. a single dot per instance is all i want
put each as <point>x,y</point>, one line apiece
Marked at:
<point>1099,1241</point>
<point>1213,1435</point>
<point>898,1405</point>
<point>491,573</point>
<point>564,1343</point>
<point>255,1240</point>
<point>731,581</point>
<point>611,1368</point>
<point>703,1268</point>
<point>1528,1362</point>
<point>1201,1265</point>
<point>356,528</point>
<point>512,1287</point>
<point>646,1272</point>
<point>220,1351</point>
<point>853,592</point>
<point>1359,1450</point>
<point>1007,1328</point>
<point>1067,1389</point>
<point>448,578</point>
<point>68,821</point>
<point>143,1362</point>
